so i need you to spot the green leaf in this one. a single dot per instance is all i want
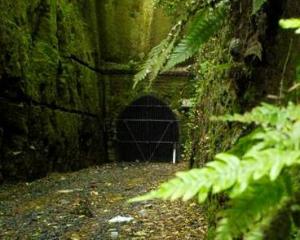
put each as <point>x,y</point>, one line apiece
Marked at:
<point>252,209</point>
<point>205,24</point>
<point>150,62</point>
<point>258,173</point>
<point>290,23</point>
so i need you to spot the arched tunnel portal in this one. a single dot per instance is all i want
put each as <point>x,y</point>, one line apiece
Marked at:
<point>148,130</point>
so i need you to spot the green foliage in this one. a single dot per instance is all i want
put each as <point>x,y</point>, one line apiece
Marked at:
<point>257,5</point>
<point>157,58</point>
<point>171,6</point>
<point>213,94</point>
<point>71,31</point>
<point>253,210</point>
<point>204,25</point>
<point>12,18</point>
<point>256,173</point>
<point>203,21</point>
<point>292,23</point>
<point>170,53</point>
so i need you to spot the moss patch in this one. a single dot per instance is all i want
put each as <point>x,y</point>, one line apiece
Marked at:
<point>52,106</point>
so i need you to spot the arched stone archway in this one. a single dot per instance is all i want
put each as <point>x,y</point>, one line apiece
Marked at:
<point>147,130</point>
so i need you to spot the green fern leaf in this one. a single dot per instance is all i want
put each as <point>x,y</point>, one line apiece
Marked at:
<point>261,200</point>
<point>258,178</point>
<point>150,62</point>
<point>257,231</point>
<point>205,25</point>
<point>162,58</point>
<point>256,234</point>
<point>266,115</point>
<point>157,58</point>
<point>221,174</point>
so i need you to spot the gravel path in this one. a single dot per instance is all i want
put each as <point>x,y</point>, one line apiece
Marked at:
<point>79,206</point>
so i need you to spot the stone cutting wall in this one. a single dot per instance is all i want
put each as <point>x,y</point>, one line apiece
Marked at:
<point>51,113</point>
<point>130,28</point>
<point>53,99</point>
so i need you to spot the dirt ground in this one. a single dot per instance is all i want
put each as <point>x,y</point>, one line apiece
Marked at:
<point>79,206</point>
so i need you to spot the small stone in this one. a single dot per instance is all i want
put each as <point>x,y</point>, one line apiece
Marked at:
<point>94,193</point>
<point>17,153</point>
<point>143,213</point>
<point>148,206</point>
<point>32,147</point>
<point>114,235</point>
<point>64,202</point>
<point>121,219</point>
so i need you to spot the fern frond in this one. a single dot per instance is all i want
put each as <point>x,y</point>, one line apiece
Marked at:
<point>166,55</point>
<point>227,172</point>
<point>250,213</point>
<point>266,115</point>
<point>217,176</point>
<point>162,58</point>
<point>157,58</point>
<point>150,62</point>
<point>256,174</point>
<point>205,25</point>
<point>257,231</point>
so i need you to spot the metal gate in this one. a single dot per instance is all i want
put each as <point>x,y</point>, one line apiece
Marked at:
<point>147,130</point>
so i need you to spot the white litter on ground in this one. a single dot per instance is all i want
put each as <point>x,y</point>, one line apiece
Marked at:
<point>120,219</point>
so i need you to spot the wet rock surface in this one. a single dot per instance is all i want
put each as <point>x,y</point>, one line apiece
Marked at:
<point>79,206</point>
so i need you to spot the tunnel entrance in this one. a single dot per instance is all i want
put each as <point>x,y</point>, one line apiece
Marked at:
<point>148,130</point>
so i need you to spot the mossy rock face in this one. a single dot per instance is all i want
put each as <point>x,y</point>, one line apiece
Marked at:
<point>226,84</point>
<point>129,28</point>
<point>51,105</point>
<point>41,140</point>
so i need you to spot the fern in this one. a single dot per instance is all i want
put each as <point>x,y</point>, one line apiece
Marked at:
<point>157,58</point>
<point>205,24</point>
<point>148,65</point>
<point>267,115</point>
<point>255,173</point>
<point>261,201</point>
<point>167,54</point>
<point>162,58</point>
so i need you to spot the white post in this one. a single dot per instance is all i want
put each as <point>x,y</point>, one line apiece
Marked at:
<point>174,153</point>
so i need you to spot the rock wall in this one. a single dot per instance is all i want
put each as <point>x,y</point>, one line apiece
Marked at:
<point>51,106</point>
<point>53,99</point>
<point>129,28</point>
<point>261,67</point>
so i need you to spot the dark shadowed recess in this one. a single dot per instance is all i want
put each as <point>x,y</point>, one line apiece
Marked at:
<point>147,130</point>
